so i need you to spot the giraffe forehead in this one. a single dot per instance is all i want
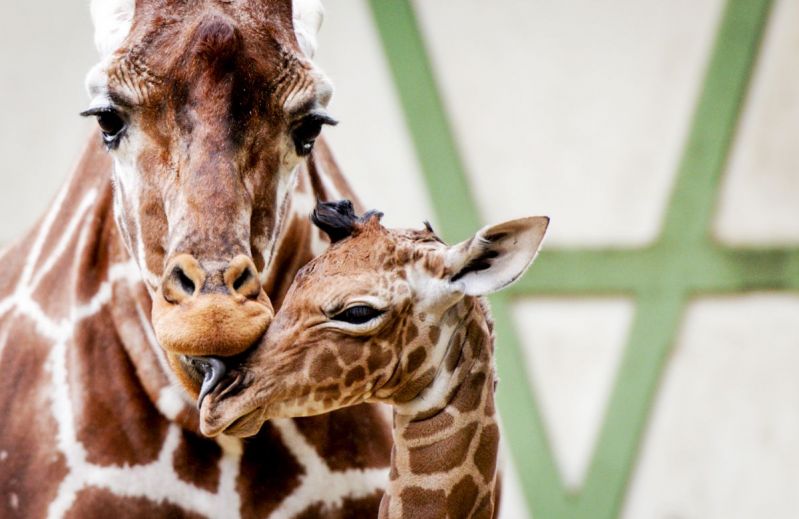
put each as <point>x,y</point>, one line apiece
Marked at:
<point>389,265</point>
<point>158,53</point>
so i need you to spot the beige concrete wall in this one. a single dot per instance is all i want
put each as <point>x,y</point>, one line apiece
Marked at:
<point>45,51</point>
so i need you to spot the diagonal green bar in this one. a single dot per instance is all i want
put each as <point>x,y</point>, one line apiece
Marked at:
<point>524,431</point>
<point>688,219</point>
<point>705,154</point>
<point>661,276</point>
<point>656,322</point>
<point>424,114</point>
<point>446,181</point>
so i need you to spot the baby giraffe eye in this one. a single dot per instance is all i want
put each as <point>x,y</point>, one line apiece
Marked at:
<point>358,314</point>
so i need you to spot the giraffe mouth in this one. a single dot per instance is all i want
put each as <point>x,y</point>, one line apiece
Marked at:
<point>235,409</point>
<point>212,370</point>
<point>247,425</point>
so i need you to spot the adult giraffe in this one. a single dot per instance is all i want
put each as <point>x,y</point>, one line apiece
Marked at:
<point>171,241</point>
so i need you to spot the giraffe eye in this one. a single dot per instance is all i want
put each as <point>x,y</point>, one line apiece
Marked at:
<point>111,123</point>
<point>305,132</point>
<point>358,314</point>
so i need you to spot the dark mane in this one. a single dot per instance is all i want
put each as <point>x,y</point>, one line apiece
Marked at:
<point>338,219</point>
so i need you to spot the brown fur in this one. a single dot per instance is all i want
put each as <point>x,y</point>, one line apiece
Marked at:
<point>92,502</point>
<point>93,324</point>
<point>113,384</point>
<point>446,439</point>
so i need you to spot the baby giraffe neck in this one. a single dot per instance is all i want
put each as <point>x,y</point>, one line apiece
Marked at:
<point>444,458</point>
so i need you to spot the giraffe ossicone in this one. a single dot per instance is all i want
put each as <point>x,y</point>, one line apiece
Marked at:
<point>396,317</point>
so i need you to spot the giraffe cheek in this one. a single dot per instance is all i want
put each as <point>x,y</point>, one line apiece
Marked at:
<point>324,367</point>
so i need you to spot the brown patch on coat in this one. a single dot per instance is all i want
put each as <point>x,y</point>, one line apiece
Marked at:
<point>416,358</point>
<point>378,358</point>
<point>196,461</point>
<point>268,473</point>
<point>96,502</point>
<point>485,456</point>
<point>56,303</point>
<point>31,466</point>
<point>442,455</point>
<point>356,374</point>
<point>429,426</point>
<point>433,334</point>
<point>411,332</point>
<point>325,390</point>
<point>351,352</point>
<point>116,422</point>
<point>324,366</point>
<point>94,155</point>
<point>455,351</point>
<point>93,229</point>
<point>470,393</point>
<point>419,502</point>
<point>411,389</point>
<point>338,437</point>
<point>462,497</point>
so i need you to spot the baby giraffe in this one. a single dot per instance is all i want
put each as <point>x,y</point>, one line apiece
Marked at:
<point>392,316</point>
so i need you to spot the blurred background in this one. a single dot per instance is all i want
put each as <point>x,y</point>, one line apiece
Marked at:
<point>649,360</point>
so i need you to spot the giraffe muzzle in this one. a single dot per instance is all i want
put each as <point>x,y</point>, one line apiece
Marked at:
<point>210,309</point>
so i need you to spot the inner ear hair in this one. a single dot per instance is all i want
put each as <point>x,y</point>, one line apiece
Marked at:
<point>338,219</point>
<point>480,262</point>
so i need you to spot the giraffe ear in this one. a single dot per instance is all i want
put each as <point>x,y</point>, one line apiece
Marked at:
<point>496,256</point>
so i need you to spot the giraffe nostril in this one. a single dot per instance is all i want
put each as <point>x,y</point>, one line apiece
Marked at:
<point>185,282</point>
<point>183,279</point>
<point>243,278</point>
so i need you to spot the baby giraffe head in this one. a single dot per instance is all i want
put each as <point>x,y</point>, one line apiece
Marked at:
<point>367,321</point>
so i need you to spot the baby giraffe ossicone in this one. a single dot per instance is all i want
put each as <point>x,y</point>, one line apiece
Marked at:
<point>391,316</point>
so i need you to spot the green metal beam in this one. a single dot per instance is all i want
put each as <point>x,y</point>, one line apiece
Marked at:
<point>705,267</point>
<point>426,119</point>
<point>660,278</point>
<point>523,427</point>
<point>656,322</point>
<point>714,124</point>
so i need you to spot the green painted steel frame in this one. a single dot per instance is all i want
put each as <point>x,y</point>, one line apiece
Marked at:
<point>661,278</point>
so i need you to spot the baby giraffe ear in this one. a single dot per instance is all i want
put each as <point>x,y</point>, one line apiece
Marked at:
<point>496,256</point>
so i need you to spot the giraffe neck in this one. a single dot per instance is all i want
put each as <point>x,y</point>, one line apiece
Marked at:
<point>444,457</point>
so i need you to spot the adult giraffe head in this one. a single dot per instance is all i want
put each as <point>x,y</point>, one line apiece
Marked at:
<point>207,108</point>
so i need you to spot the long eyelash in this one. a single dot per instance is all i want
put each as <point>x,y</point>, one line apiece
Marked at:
<point>96,111</point>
